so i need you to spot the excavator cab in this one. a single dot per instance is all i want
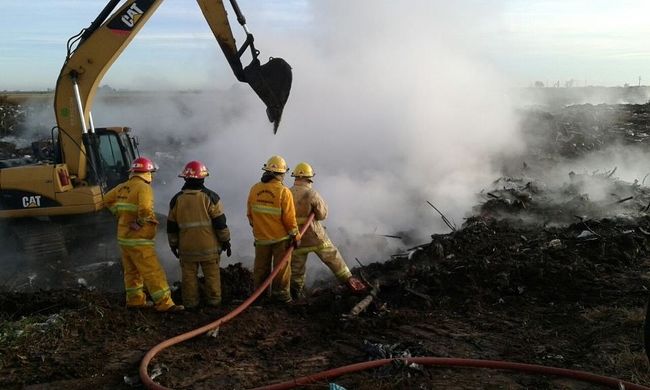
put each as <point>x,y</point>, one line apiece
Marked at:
<point>117,149</point>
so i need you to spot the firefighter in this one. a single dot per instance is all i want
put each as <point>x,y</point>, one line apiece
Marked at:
<point>315,239</point>
<point>132,203</point>
<point>197,233</point>
<point>272,216</point>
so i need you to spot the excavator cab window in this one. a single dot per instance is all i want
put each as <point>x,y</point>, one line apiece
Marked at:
<point>130,147</point>
<point>115,158</point>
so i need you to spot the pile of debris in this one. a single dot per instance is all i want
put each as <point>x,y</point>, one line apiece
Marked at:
<point>12,156</point>
<point>12,118</point>
<point>527,200</point>
<point>494,261</point>
<point>579,129</point>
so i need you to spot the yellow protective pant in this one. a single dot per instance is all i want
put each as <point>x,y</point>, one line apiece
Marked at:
<point>266,256</point>
<point>190,282</point>
<point>142,269</point>
<point>329,255</point>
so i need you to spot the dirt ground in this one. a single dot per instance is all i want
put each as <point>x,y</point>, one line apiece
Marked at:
<point>488,291</point>
<point>557,280</point>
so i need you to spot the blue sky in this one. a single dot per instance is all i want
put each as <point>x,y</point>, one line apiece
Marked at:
<point>594,42</point>
<point>33,43</point>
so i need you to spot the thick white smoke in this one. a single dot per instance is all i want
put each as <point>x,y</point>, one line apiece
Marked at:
<point>391,104</point>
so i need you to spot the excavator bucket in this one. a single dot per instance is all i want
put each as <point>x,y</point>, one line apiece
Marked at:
<point>272,83</point>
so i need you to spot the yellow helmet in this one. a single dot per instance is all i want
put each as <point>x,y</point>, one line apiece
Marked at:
<point>276,164</point>
<point>302,170</point>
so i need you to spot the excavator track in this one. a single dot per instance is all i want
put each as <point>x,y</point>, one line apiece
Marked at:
<point>68,251</point>
<point>59,253</point>
<point>40,241</point>
<point>40,258</point>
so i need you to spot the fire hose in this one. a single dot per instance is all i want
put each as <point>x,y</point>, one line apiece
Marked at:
<point>336,372</point>
<point>454,362</point>
<point>144,375</point>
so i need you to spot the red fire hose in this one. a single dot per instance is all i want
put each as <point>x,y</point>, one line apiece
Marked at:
<point>476,363</point>
<point>427,361</point>
<point>144,375</point>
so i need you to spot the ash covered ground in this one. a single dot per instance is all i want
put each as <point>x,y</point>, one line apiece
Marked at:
<point>551,267</point>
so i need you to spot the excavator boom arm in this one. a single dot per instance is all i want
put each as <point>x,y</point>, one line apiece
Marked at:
<point>103,42</point>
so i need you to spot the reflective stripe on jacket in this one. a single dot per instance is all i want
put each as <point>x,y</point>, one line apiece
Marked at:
<point>196,224</point>
<point>133,202</point>
<point>271,212</point>
<point>307,201</point>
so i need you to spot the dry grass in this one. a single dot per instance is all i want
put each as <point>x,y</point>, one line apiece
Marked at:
<point>26,97</point>
<point>634,363</point>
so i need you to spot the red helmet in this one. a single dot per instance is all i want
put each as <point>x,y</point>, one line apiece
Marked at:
<point>194,170</point>
<point>143,164</point>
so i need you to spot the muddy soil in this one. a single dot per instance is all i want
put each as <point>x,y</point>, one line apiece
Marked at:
<point>488,291</point>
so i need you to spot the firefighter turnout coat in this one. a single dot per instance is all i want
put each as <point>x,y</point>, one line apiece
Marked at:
<point>271,212</point>
<point>196,224</point>
<point>272,215</point>
<point>315,239</point>
<point>133,204</point>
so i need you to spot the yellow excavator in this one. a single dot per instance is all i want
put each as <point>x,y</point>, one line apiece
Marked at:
<point>66,184</point>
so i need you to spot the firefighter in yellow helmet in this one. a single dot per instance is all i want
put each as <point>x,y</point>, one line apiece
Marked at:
<point>315,239</point>
<point>132,203</point>
<point>272,216</point>
<point>197,233</point>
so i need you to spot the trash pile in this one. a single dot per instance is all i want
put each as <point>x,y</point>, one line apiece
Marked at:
<point>24,118</point>
<point>12,118</point>
<point>493,261</point>
<point>526,200</point>
<point>579,129</point>
<point>576,240</point>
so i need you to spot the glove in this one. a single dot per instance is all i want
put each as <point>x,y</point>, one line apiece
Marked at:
<point>295,241</point>
<point>174,250</point>
<point>135,226</point>
<point>225,246</point>
<point>355,285</point>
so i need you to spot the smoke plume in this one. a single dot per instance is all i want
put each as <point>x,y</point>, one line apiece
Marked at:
<point>391,111</point>
<point>392,104</point>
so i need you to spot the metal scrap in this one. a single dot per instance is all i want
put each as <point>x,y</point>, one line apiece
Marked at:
<point>444,219</point>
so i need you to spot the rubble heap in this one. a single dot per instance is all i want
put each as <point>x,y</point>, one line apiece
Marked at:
<point>12,118</point>
<point>579,129</point>
<point>525,200</point>
<point>494,262</point>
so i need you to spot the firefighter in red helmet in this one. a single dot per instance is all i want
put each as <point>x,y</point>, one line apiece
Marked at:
<point>133,204</point>
<point>197,233</point>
